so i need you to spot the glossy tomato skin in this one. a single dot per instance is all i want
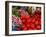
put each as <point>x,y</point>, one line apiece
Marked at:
<point>31,23</point>
<point>38,27</point>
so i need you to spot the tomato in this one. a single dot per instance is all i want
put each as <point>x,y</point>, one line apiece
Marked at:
<point>38,27</point>
<point>32,26</point>
<point>25,28</point>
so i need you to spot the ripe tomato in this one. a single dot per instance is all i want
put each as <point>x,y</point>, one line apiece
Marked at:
<point>32,25</point>
<point>38,27</point>
<point>25,28</point>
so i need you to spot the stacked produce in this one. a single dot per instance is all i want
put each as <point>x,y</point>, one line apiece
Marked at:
<point>26,19</point>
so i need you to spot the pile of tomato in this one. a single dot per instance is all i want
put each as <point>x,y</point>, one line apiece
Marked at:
<point>32,22</point>
<point>29,22</point>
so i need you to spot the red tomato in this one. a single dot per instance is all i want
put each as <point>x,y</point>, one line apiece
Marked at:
<point>25,28</point>
<point>38,27</point>
<point>33,20</point>
<point>27,17</point>
<point>28,25</point>
<point>36,22</point>
<point>32,26</point>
